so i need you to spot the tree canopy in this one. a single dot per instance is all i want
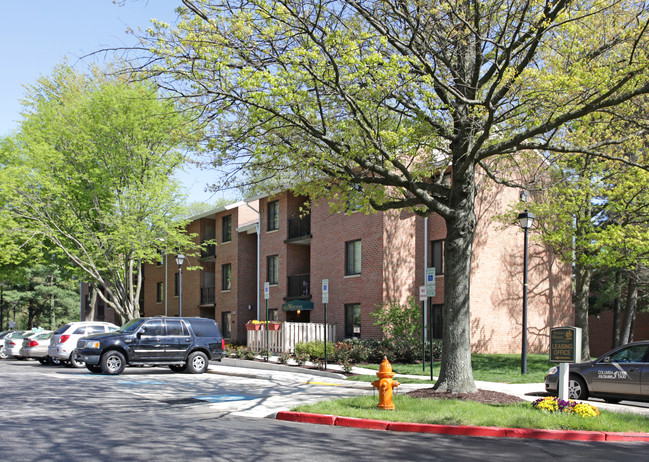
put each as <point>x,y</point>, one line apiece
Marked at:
<point>90,171</point>
<point>388,96</point>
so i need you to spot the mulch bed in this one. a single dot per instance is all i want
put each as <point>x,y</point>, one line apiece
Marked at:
<point>481,396</point>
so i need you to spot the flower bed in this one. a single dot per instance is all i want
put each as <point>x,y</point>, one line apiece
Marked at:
<point>553,404</point>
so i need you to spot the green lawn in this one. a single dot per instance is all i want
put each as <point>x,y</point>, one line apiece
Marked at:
<point>454,412</point>
<point>487,368</point>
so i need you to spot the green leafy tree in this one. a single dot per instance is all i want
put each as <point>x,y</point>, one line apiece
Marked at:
<point>386,97</point>
<point>90,171</point>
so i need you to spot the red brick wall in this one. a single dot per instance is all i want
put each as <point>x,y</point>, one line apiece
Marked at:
<point>497,282</point>
<point>272,243</point>
<point>330,232</point>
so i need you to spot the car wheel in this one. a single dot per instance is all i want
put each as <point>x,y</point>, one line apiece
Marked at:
<point>3,355</point>
<point>577,388</point>
<point>44,361</point>
<point>75,363</point>
<point>177,368</point>
<point>197,362</point>
<point>112,363</point>
<point>94,368</point>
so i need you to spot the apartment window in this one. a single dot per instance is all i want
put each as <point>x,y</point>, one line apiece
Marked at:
<point>227,229</point>
<point>353,320</point>
<point>354,199</point>
<point>273,215</point>
<point>161,260</point>
<point>273,314</point>
<point>176,284</point>
<point>352,257</point>
<point>272,268</point>
<point>159,291</point>
<point>226,324</point>
<point>437,256</point>
<point>226,276</point>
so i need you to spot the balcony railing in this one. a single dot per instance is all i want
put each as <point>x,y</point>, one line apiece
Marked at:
<point>207,295</point>
<point>299,227</point>
<point>299,285</point>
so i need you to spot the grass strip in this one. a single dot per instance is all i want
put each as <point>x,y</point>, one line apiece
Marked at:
<point>505,368</point>
<point>455,412</point>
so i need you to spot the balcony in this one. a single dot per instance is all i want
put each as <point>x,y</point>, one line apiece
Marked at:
<point>299,286</point>
<point>299,230</point>
<point>208,251</point>
<point>207,295</point>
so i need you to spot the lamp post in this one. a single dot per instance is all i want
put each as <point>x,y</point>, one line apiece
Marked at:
<point>180,259</point>
<point>526,220</point>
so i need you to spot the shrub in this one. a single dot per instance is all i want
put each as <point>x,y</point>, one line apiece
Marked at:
<point>315,349</point>
<point>283,358</point>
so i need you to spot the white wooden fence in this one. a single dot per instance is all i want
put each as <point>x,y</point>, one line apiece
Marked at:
<point>288,335</point>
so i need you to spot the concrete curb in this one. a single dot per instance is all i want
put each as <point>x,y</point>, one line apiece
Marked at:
<point>278,367</point>
<point>497,432</point>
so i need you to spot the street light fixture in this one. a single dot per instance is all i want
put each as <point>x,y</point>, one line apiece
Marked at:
<point>161,239</point>
<point>180,259</point>
<point>526,220</point>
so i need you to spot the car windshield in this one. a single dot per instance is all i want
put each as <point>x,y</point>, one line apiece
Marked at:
<point>131,326</point>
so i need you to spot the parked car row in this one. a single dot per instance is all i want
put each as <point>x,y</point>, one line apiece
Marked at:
<point>182,344</point>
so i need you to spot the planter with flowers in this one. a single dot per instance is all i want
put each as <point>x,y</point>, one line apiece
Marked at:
<point>253,325</point>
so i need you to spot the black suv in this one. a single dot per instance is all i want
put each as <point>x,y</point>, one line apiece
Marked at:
<point>183,344</point>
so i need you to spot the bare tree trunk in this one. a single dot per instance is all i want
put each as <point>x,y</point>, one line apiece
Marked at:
<point>456,375</point>
<point>583,275</point>
<point>631,304</point>
<point>617,309</point>
<point>90,311</point>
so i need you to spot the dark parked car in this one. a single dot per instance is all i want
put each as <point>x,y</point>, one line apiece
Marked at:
<point>622,373</point>
<point>183,344</point>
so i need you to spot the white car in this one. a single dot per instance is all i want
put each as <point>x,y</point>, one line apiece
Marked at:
<point>14,342</point>
<point>64,340</point>
<point>36,347</point>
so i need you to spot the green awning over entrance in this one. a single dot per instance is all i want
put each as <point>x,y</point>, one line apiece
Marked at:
<point>295,305</point>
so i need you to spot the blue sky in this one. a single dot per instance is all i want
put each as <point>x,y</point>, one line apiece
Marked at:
<point>36,35</point>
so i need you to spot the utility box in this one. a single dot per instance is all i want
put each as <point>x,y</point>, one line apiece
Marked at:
<point>565,345</point>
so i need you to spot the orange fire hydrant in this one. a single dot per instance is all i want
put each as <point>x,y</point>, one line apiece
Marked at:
<point>385,384</point>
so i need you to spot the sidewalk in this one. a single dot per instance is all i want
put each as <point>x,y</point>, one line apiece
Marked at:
<point>529,392</point>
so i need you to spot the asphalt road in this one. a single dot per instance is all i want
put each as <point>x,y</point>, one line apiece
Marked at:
<point>152,414</point>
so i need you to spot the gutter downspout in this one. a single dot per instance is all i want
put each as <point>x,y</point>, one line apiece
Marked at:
<point>258,229</point>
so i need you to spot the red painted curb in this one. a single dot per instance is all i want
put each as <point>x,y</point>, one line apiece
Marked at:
<point>564,435</point>
<point>466,430</point>
<point>361,423</point>
<point>637,437</point>
<point>306,418</point>
<point>447,429</point>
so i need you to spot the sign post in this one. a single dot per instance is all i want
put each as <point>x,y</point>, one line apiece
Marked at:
<point>266,297</point>
<point>430,292</point>
<point>325,300</point>
<point>565,348</point>
<point>423,298</point>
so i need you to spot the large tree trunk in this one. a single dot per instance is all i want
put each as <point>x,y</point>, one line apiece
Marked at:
<point>456,375</point>
<point>631,304</point>
<point>583,275</point>
<point>617,321</point>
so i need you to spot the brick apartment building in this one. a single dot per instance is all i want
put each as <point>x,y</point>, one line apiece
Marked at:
<point>369,260</point>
